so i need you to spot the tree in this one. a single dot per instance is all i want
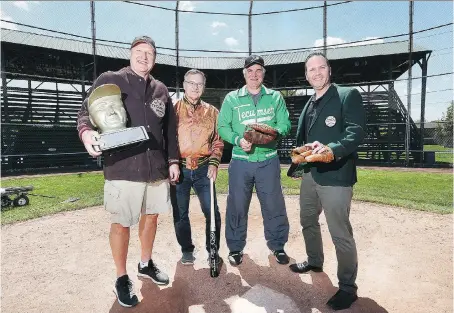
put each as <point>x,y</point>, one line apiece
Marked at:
<point>445,127</point>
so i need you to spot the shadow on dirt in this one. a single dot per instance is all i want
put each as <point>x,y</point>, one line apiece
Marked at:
<point>208,295</point>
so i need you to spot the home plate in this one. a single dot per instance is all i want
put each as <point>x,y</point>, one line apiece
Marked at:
<point>260,299</point>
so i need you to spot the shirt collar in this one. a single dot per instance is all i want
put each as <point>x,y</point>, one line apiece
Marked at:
<point>317,101</point>
<point>133,74</point>
<point>186,100</point>
<point>244,92</point>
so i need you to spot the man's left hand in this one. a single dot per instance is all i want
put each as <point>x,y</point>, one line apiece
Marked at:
<point>174,173</point>
<point>212,172</point>
<point>320,153</point>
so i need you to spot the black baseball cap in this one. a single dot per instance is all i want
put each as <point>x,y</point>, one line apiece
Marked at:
<point>253,59</point>
<point>143,39</point>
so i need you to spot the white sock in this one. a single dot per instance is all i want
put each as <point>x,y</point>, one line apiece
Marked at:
<point>143,264</point>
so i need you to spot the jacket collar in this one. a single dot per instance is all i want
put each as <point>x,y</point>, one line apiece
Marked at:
<point>323,101</point>
<point>132,74</point>
<point>244,92</point>
<point>186,100</point>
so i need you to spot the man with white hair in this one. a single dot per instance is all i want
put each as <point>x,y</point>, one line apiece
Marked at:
<point>200,150</point>
<point>254,164</point>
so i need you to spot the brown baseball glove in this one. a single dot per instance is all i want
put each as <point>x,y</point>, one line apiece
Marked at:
<point>325,157</point>
<point>299,154</point>
<point>259,133</point>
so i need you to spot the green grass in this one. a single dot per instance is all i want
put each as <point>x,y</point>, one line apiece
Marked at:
<point>413,190</point>
<point>442,154</point>
<point>87,186</point>
<point>423,191</point>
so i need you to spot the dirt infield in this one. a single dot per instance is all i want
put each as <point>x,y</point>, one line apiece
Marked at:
<point>62,263</point>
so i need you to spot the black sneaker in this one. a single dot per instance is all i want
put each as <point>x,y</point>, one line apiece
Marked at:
<point>281,257</point>
<point>236,257</point>
<point>305,267</point>
<point>153,273</point>
<point>125,292</point>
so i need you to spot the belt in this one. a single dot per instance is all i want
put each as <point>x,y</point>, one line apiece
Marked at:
<point>193,163</point>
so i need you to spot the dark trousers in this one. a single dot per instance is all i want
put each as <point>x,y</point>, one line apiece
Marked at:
<point>336,202</point>
<point>266,176</point>
<point>180,196</point>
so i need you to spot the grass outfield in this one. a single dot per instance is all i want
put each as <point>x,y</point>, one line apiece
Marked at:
<point>432,192</point>
<point>442,154</point>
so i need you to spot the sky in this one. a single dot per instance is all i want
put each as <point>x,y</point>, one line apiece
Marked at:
<point>358,20</point>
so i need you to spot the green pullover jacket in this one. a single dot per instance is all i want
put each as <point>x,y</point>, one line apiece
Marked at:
<point>238,110</point>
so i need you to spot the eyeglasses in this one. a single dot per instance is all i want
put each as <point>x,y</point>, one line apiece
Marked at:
<point>193,84</point>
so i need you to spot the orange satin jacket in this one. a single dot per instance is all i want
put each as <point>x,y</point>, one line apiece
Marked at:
<point>198,138</point>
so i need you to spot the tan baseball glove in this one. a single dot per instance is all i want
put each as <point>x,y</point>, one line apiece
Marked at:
<point>299,154</point>
<point>305,154</point>
<point>325,157</point>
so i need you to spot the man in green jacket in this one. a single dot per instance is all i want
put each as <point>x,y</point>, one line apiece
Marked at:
<point>333,121</point>
<point>253,164</point>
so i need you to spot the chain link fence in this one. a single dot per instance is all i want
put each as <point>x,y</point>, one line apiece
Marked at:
<point>186,29</point>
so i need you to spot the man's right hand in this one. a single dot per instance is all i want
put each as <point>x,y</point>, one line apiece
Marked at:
<point>90,139</point>
<point>245,145</point>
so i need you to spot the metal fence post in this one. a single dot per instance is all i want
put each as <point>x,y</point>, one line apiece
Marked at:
<point>325,27</point>
<point>250,27</point>
<point>409,82</point>
<point>177,47</point>
<point>93,37</point>
<point>423,102</point>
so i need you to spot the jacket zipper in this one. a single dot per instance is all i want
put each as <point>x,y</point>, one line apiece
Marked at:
<point>148,152</point>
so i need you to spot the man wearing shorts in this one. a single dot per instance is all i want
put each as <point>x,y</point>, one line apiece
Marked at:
<point>136,176</point>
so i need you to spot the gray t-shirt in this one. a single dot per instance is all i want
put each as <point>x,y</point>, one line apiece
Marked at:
<point>256,97</point>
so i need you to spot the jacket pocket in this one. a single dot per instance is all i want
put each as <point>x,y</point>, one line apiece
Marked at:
<point>159,162</point>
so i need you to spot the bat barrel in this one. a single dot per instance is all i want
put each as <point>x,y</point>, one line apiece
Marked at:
<point>214,259</point>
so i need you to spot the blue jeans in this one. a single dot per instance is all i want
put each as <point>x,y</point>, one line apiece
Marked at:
<point>180,196</point>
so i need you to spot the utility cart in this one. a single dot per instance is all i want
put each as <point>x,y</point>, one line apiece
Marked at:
<point>16,196</point>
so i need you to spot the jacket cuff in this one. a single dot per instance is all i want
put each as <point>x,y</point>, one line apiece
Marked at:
<point>173,161</point>
<point>214,161</point>
<point>337,150</point>
<point>81,131</point>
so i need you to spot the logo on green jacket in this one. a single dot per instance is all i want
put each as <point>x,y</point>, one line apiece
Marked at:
<point>246,117</point>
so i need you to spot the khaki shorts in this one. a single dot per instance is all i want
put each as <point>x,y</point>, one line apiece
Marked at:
<point>127,200</point>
